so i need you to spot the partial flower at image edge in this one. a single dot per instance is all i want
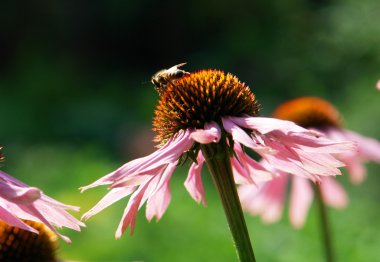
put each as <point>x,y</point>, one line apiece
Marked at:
<point>19,202</point>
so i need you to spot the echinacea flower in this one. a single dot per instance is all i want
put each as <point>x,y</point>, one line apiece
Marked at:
<point>196,113</point>
<point>19,202</point>
<point>267,199</point>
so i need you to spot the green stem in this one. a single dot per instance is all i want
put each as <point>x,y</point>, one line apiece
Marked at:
<point>326,233</point>
<point>218,162</point>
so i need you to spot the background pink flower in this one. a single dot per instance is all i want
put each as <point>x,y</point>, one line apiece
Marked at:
<point>267,199</point>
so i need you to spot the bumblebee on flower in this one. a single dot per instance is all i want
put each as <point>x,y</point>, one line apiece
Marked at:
<point>210,116</point>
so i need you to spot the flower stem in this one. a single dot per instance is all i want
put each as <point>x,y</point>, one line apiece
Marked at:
<point>326,233</point>
<point>218,162</point>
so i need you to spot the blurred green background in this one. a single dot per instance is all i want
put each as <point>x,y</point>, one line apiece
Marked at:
<point>76,103</point>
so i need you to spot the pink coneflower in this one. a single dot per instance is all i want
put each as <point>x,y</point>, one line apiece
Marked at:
<point>19,202</point>
<point>378,85</point>
<point>267,199</point>
<point>209,116</point>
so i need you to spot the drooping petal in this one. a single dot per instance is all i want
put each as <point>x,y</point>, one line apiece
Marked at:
<point>11,220</point>
<point>288,147</point>
<point>167,154</point>
<point>241,175</point>
<point>147,178</point>
<point>368,150</point>
<point>243,138</point>
<point>300,200</point>
<point>130,212</point>
<point>17,194</point>
<point>266,200</point>
<point>20,201</point>
<point>333,193</point>
<point>210,134</point>
<point>266,125</point>
<point>159,200</point>
<point>249,170</point>
<point>287,161</point>
<point>193,182</point>
<point>322,144</point>
<point>111,197</point>
<point>356,168</point>
<point>323,165</point>
<point>34,210</point>
<point>137,179</point>
<point>58,216</point>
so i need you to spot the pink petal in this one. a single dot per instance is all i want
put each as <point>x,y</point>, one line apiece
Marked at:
<point>57,216</point>
<point>323,165</point>
<point>250,197</point>
<point>369,148</point>
<point>321,144</point>
<point>193,182</point>
<point>130,212</point>
<point>137,179</point>
<point>247,168</point>
<point>210,134</point>
<point>333,193</point>
<point>288,147</point>
<point>300,200</point>
<point>33,210</point>
<point>149,178</point>
<point>378,85</point>
<point>111,197</point>
<point>167,154</point>
<point>11,220</point>
<point>239,135</point>
<point>288,161</point>
<point>356,169</point>
<point>265,125</point>
<point>159,200</point>
<point>273,212</point>
<point>17,194</point>
<point>19,201</point>
<point>241,175</point>
<point>266,200</point>
<point>11,179</point>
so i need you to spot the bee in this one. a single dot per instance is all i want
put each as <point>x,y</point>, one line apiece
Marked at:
<point>165,76</point>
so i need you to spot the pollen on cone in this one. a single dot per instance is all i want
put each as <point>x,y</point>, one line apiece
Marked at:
<point>199,98</point>
<point>21,245</point>
<point>309,112</point>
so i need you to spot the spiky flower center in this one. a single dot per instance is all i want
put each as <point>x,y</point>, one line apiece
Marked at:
<point>309,112</point>
<point>199,98</point>
<point>21,245</point>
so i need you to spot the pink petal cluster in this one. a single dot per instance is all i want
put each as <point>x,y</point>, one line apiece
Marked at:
<point>283,144</point>
<point>368,150</point>
<point>267,199</point>
<point>20,201</point>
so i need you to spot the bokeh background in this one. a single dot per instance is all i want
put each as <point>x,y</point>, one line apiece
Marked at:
<point>76,103</point>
